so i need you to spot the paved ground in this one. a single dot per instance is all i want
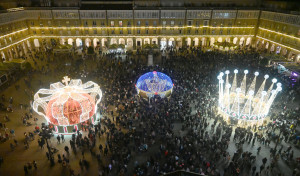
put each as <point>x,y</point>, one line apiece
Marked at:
<point>15,160</point>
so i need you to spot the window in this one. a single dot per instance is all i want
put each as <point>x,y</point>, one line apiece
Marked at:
<point>164,23</point>
<point>172,23</point>
<point>41,24</point>
<point>189,31</point>
<point>190,22</point>
<point>32,23</point>
<point>205,23</point>
<point>49,23</point>
<point>51,31</point>
<point>213,32</point>
<point>121,31</point>
<point>146,23</point>
<point>112,24</point>
<point>69,32</point>
<point>94,23</point>
<point>95,31</point>
<point>77,32</point>
<point>86,23</point>
<point>75,23</point>
<point>154,23</point>
<point>103,32</point>
<point>138,23</point>
<point>221,32</point>
<point>147,31</point>
<point>180,23</point>
<point>112,31</point>
<point>43,32</point>
<point>86,31</point>
<point>197,23</point>
<point>204,31</point>
<point>228,32</point>
<point>129,31</point>
<point>196,31</point>
<point>138,31</point>
<point>154,31</point>
<point>120,23</point>
<point>67,23</point>
<point>60,32</point>
<point>128,23</point>
<point>180,31</point>
<point>102,23</point>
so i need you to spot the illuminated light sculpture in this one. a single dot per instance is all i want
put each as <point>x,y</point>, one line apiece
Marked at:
<point>154,83</point>
<point>67,106</point>
<point>244,102</point>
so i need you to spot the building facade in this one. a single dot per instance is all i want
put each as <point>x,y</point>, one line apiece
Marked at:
<point>29,29</point>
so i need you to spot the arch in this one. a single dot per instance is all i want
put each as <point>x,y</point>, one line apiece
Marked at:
<point>28,44</point>
<point>104,42</point>
<point>146,41</point>
<point>248,41</point>
<point>227,40</point>
<point>78,42</point>
<point>88,42</point>
<point>113,41</point>
<point>235,40</point>
<point>196,42</point>
<point>242,40</point>
<point>139,42</point>
<point>163,43</point>
<point>62,41</point>
<point>284,52</point>
<point>171,42</point>
<point>70,41</point>
<point>129,42</point>
<point>212,41</point>
<point>96,42</point>
<point>220,39</point>
<point>272,48</point>
<point>122,41</point>
<point>278,49</point>
<point>154,41</point>
<point>36,43</point>
<point>3,57</point>
<point>267,45</point>
<point>179,42</point>
<point>188,41</point>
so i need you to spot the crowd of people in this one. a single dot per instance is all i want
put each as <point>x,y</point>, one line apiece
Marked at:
<point>183,132</point>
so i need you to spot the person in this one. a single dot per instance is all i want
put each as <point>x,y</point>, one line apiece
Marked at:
<point>25,169</point>
<point>58,139</point>
<point>62,138</point>
<point>67,149</point>
<point>258,149</point>
<point>34,164</point>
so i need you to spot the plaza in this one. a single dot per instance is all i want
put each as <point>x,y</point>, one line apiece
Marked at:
<point>147,90</point>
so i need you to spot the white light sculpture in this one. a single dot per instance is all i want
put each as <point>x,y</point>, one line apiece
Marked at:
<point>244,102</point>
<point>69,104</point>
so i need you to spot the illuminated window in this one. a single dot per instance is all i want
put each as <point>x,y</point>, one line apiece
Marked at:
<point>205,23</point>
<point>112,23</point>
<point>138,31</point>
<point>172,23</point>
<point>154,23</point>
<point>138,23</point>
<point>120,24</point>
<point>164,23</point>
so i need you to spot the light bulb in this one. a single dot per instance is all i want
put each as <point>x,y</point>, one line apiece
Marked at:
<point>256,73</point>
<point>274,80</point>
<point>246,71</point>
<point>266,76</point>
<point>235,71</point>
<point>227,72</point>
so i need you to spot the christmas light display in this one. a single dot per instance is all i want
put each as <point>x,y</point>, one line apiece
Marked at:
<point>244,102</point>
<point>154,83</point>
<point>67,106</point>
